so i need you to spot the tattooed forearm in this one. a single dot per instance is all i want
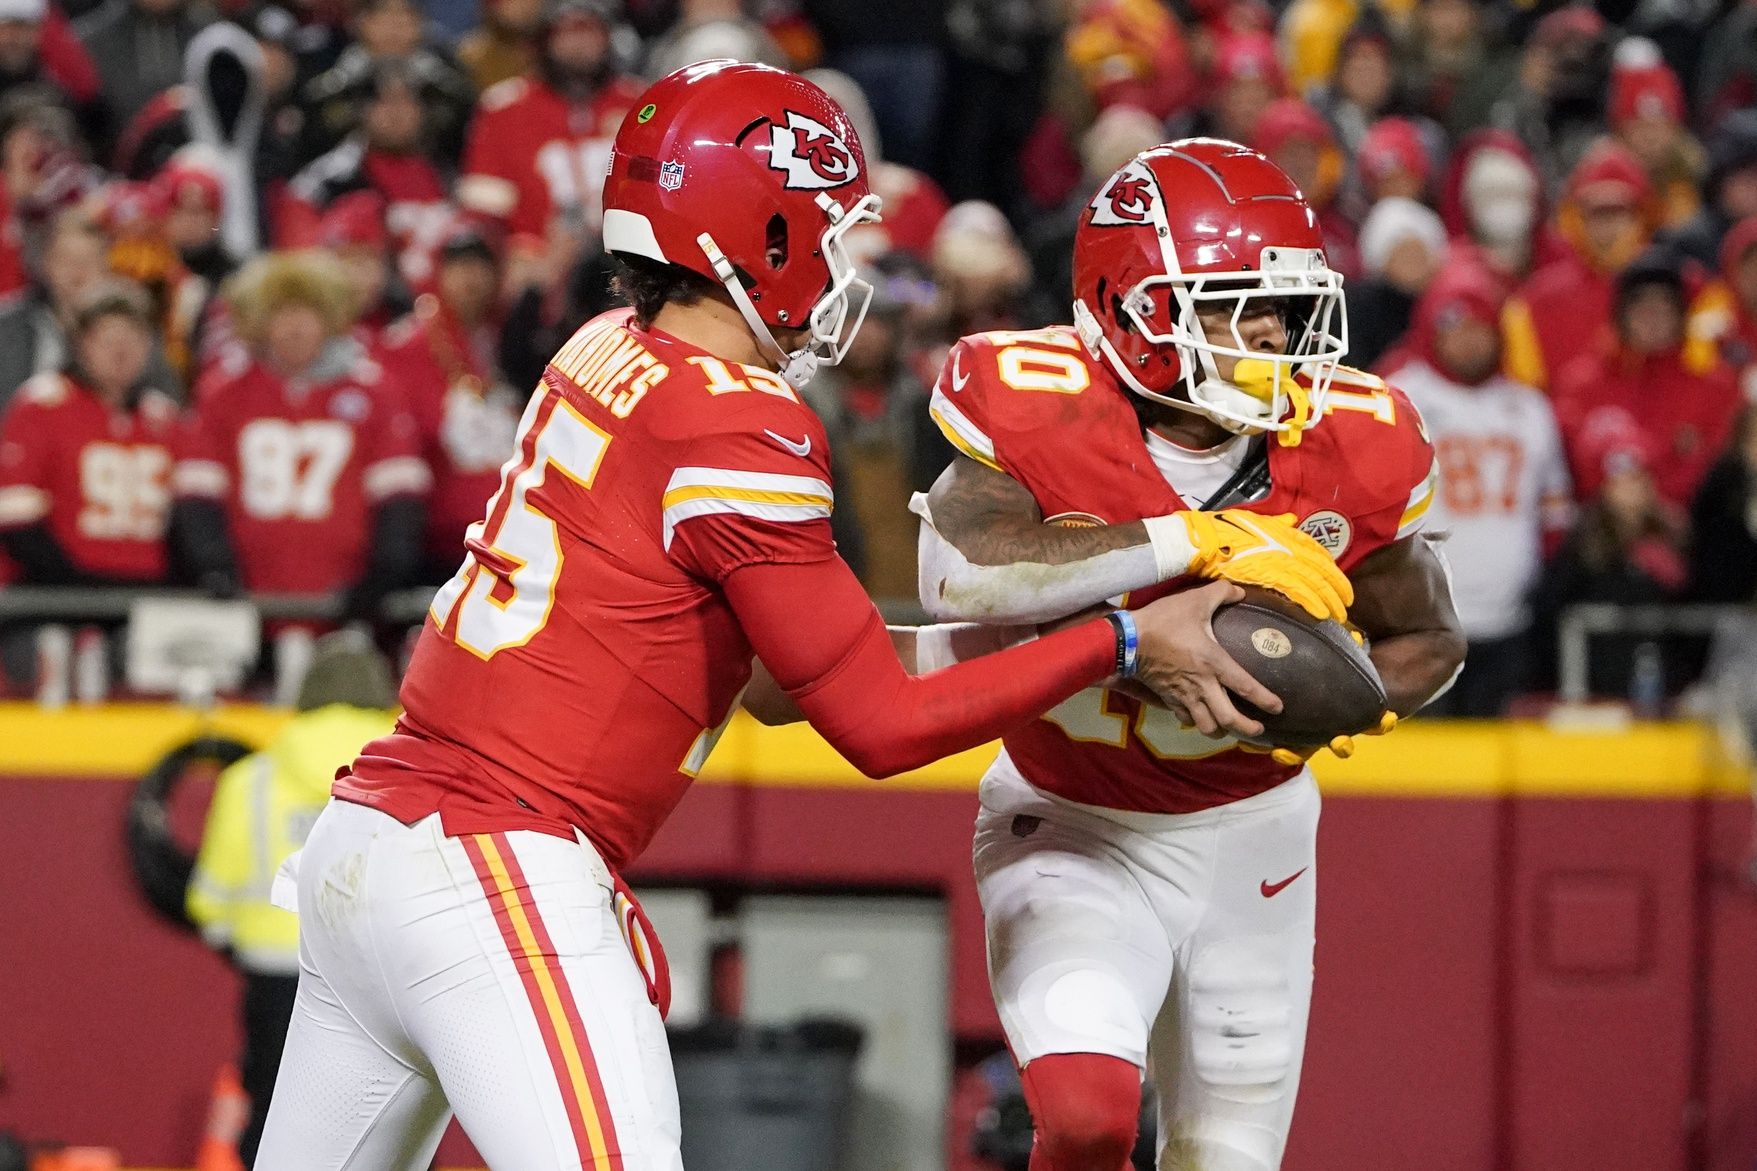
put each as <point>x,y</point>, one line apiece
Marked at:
<point>992,519</point>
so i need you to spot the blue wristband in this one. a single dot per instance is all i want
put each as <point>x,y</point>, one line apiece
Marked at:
<point>1128,643</point>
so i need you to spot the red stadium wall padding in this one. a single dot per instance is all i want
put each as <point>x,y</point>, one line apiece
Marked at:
<point>1603,961</point>
<point>1403,1030</point>
<point>1502,983</point>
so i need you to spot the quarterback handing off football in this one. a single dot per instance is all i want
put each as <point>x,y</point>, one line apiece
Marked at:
<point>1328,686</point>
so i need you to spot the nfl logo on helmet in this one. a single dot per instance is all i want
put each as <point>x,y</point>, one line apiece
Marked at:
<point>671,176</point>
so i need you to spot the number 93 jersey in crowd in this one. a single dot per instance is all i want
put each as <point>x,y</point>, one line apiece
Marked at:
<point>579,667</point>
<point>1037,407</point>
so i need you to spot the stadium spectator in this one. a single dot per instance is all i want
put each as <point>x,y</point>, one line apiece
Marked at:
<point>1131,53</point>
<point>1556,102</point>
<point>1364,87</point>
<point>261,810</point>
<point>1402,247</point>
<point>1723,522</point>
<point>444,355</point>
<point>1503,495</point>
<point>85,455</point>
<point>1298,140</point>
<point>1493,206</point>
<point>38,51</point>
<point>1726,78</point>
<point>218,64</point>
<point>708,29</point>
<point>982,276</point>
<point>1246,78</point>
<point>1001,65</point>
<point>1647,114</point>
<point>1443,58</point>
<point>874,406</point>
<point>1683,403</point>
<point>1626,548</point>
<point>138,47</point>
<point>41,176</point>
<point>1729,193</point>
<point>1723,315</point>
<point>504,45</point>
<point>388,156</point>
<point>188,190</point>
<point>1604,220</point>
<point>34,327</point>
<point>387,31</point>
<point>229,106</point>
<point>1393,159</point>
<point>1312,35</point>
<point>355,231</point>
<point>895,51</point>
<point>539,145</point>
<point>300,472</point>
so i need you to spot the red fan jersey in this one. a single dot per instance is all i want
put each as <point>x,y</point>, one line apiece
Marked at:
<point>466,419</point>
<point>1037,407</point>
<point>98,476</point>
<point>534,155</point>
<point>300,464</point>
<point>580,666</point>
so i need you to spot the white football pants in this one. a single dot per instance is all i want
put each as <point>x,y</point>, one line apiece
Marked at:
<point>485,975</point>
<point>1181,943</point>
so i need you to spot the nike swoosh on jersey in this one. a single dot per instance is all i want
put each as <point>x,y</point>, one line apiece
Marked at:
<point>800,448</point>
<point>1271,889</point>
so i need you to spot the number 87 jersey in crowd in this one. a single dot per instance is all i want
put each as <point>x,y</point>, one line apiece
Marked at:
<point>581,651</point>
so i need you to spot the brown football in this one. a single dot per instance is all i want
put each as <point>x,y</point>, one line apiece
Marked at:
<point>1328,686</point>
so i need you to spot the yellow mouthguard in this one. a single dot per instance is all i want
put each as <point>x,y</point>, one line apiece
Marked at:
<point>1258,377</point>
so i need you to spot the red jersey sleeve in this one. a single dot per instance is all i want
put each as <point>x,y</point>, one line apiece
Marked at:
<point>26,449</point>
<point>1000,395</point>
<point>1381,459</point>
<point>754,487</point>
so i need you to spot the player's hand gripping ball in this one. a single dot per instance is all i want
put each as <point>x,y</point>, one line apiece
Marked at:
<point>1328,687</point>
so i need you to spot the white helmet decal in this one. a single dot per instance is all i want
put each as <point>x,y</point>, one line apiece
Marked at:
<point>1127,200</point>
<point>810,154</point>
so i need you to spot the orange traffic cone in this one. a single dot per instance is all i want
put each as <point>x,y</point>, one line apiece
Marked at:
<point>227,1116</point>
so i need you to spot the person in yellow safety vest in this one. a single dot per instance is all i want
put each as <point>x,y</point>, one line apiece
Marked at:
<point>262,808</point>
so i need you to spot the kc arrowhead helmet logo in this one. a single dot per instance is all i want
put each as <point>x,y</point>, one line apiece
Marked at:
<point>810,154</point>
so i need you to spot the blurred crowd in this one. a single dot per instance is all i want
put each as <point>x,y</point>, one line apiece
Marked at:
<point>277,278</point>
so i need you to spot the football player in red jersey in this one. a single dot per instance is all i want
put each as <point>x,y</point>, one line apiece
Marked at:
<point>85,456</point>
<point>1149,890</point>
<point>465,943</point>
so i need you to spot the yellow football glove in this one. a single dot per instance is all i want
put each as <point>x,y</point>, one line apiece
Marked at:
<point>1342,746</point>
<point>1269,551</point>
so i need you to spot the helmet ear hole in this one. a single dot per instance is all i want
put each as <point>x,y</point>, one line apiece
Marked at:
<point>775,242</point>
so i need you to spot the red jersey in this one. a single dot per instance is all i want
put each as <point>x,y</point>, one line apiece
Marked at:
<point>1036,406</point>
<point>534,155</point>
<point>581,665</point>
<point>300,464</point>
<point>99,477</point>
<point>465,417</point>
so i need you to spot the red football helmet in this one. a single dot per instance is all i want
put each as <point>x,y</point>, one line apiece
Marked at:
<point>752,177</point>
<point>1201,222</point>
